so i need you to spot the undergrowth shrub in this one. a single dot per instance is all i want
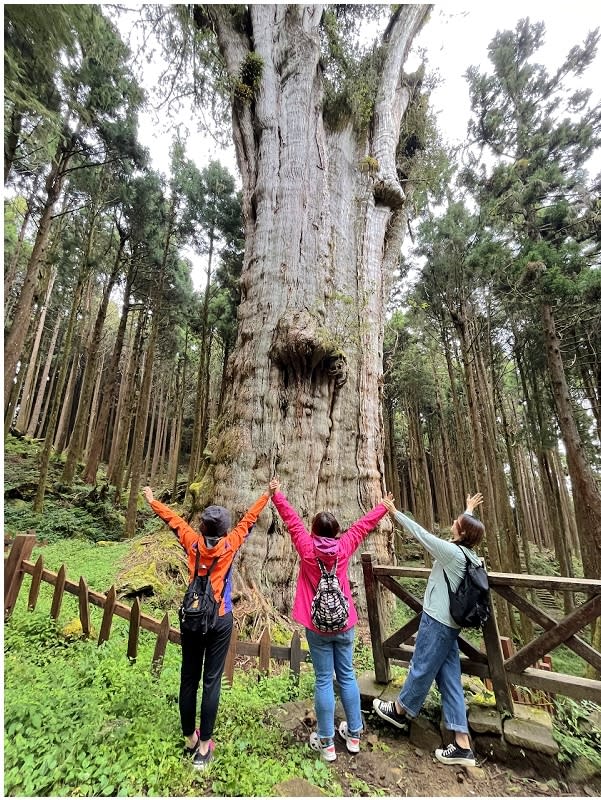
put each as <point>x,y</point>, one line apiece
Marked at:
<point>81,720</point>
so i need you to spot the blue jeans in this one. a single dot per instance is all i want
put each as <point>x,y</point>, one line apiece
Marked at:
<point>436,657</point>
<point>333,652</point>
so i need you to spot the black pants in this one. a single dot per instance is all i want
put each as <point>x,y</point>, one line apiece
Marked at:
<point>212,650</point>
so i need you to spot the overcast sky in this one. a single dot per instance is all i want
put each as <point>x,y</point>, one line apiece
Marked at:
<point>456,36</point>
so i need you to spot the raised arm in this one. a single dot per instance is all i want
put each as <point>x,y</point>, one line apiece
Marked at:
<point>185,534</point>
<point>301,539</point>
<point>442,550</point>
<point>238,534</point>
<point>352,538</point>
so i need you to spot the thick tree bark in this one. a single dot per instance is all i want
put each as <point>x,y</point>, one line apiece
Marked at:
<point>305,377</point>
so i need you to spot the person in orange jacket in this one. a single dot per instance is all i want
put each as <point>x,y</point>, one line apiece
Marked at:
<point>203,655</point>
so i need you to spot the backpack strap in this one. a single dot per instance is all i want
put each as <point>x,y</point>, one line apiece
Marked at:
<point>197,561</point>
<point>444,572</point>
<point>324,571</point>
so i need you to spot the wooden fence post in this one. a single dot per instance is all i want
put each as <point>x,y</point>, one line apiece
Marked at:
<point>13,569</point>
<point>107,617</point>
<point>381,663</point>
<point>134,630</point>
<point>84,606</point>
<point>160,647</point>
<point>494,653</point>
<point>264,651</point>
<point>295,656</point>
<point>59,591</point>
<point>230,659</point>
<point>36,582</point>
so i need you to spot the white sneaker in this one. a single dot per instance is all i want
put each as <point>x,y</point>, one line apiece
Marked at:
<point>328,751</point>
<point>353,743</point>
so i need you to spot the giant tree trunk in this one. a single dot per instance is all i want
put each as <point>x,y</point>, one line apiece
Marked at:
<point>305,377</point>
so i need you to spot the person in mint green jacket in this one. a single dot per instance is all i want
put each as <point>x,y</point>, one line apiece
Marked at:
<point>436,654</point>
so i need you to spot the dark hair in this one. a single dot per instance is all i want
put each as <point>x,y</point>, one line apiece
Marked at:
<point>325,524</point>
<point>471,530</point>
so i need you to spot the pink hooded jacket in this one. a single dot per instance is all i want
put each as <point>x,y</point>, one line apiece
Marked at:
<point>310,548</point>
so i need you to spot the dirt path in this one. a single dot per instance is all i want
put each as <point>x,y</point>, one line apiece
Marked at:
<point>390,766</point>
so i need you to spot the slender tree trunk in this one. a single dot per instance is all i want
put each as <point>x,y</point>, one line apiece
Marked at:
<point>95,403</point>
<point>11,273</point>
<point>14,342</point>
<point>587,497</point>
<point>34,419</point>
<point>201,386</point>
<point>179,395</point>
<point>38,503</point>
<point>27,393</point>
<point>109,389</point>
<point>11,141</point>
<point>141,422</point>
<point>126,407</point>
<point>89,376</point>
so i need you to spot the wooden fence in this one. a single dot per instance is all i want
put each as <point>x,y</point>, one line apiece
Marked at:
<point>17,565</point>
<point>504,672</point>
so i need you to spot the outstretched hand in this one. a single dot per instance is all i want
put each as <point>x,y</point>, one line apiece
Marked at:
<point>274,485</point>
<point>147,492</point>
<point>389,504</point>
<point>473,501</point>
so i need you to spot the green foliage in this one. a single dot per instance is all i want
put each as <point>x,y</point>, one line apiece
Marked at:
<point>111,728</point>
<point>351,73</point>
<point>573,730</point>
<point>251,72</point>
<point>60,521</point>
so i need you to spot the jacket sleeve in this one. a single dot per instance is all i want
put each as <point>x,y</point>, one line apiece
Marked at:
<point>301,538</point>
<point>186,535</point>
<point>352,538</point>
<point>239,533</point>
<point>443,551</point>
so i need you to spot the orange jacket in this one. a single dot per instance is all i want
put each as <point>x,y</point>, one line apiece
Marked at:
<point>225,549</point>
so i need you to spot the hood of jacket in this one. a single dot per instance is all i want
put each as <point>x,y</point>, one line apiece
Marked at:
<point>325,546</point>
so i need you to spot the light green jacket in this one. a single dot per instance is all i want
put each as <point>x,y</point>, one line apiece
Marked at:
<point>446,555</point>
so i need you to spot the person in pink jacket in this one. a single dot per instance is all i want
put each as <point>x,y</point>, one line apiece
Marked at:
<point>330,652</point>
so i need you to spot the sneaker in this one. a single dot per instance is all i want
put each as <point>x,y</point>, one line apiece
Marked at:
<point>201,762</point>
<point>353,743</point>
<point>453,754</point>
<point>387,711</point>
<point>324,746</point>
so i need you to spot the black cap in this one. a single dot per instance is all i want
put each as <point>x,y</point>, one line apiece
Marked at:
<point>217,521</point>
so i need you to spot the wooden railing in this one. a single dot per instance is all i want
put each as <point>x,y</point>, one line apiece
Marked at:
<point>517,669</point>
<point>17,565</point>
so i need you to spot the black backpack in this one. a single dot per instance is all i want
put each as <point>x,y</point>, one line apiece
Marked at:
<point>329,608</point>
<point>469,604</point>
<point>199,610</point>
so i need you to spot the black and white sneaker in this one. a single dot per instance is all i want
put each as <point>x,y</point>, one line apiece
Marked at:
<point>387,711</point>
<point>453,754</point>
